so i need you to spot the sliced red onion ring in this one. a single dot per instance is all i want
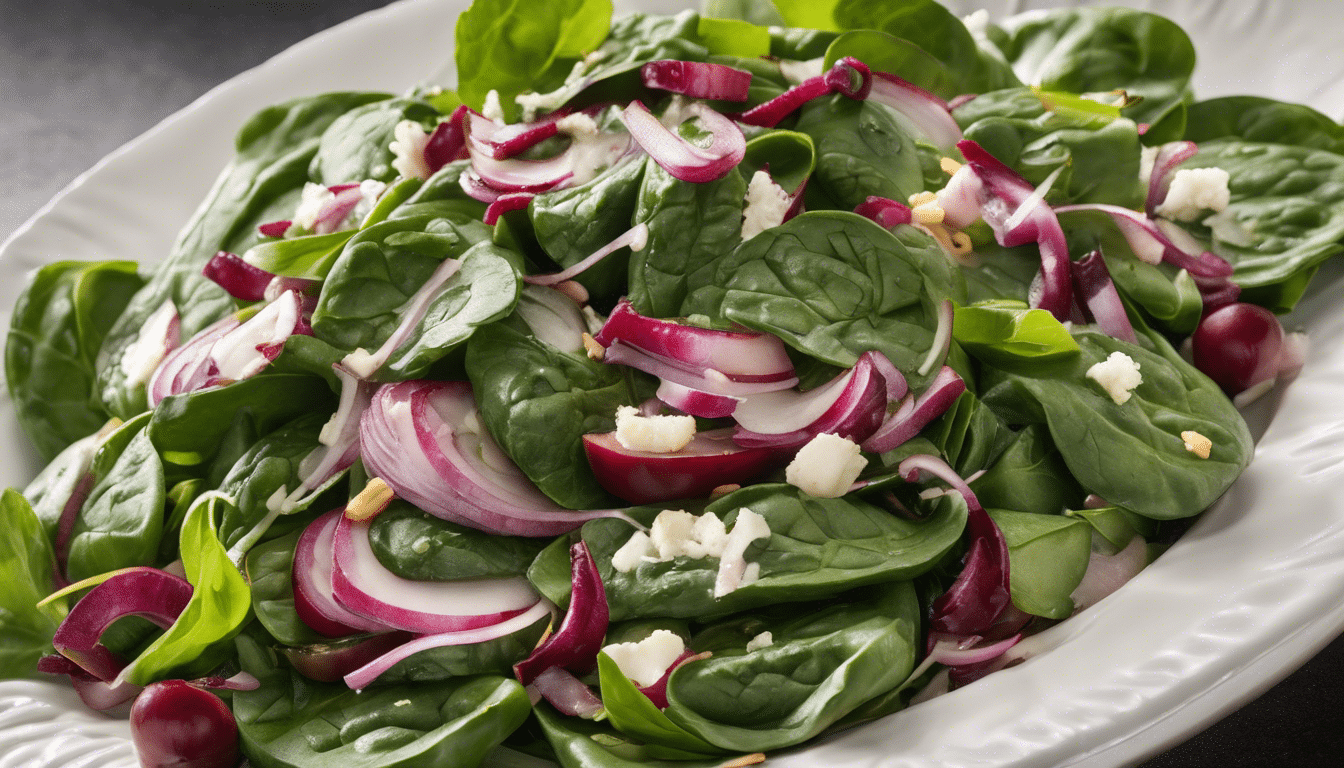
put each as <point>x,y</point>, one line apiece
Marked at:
<point>160,334</point>
<point>332,215</point>
<point>1153,245</point>
<point>366,587</point>
<point>1015,211</point>
<point>852,405</point>
<point>242,280</point>
<point>887,213</point>
<point>476,188</point>
<point>697,79</point>
<point>96,694</point>
<point>516,201</point>
<point>955,651</point>
<point>697,402</point>
<point>338,444</point>
<point>425,440</point>
<point>504,141</point>
<point>634,238</point>
<point>362,677</point>
<point>980,593</point>
<point>314,565</point>
<point>922,114</point>
<point>65,527</point>
<point>149,593</point>
<point>916,413</point>
<point>840,78</point>
<point>679,157</point>
<point>942,339</point>
<point>1168,157</point>
<point>448,141</point>
<point>567,693</point>
<point>1097,291</point>
<point>575,644</point>
<point>710,460</point>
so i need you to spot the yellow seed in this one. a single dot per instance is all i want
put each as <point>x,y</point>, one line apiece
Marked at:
<point>949,166</point>
<point>745,760</point>
<point>1197,444</point>
<point>723,490</point>
<point>369,502</point>
<point>961,243</point>
<point>595,351</point>
<point>920,198</point>
<point>927,213</point>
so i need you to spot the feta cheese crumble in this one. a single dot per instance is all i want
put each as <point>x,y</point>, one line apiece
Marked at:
<point>314,198</point>
<point>1118,374</point>
<point>493,109</point>
<point>678,533</point>
<point>763,640</point>
<point>408,150</point>
<point>646,661</point>
<point>652,434</point>
<point>1193,190</point>
<point>734,571</point>
<point>766,205</point>
<point>825,467</point>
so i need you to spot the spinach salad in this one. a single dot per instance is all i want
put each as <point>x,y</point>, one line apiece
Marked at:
<point>675,390</point>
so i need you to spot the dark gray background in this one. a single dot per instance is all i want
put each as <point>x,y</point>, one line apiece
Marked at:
<point>78,79</point>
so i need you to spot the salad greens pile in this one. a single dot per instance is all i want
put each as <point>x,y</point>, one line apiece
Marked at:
<point>971,253</point>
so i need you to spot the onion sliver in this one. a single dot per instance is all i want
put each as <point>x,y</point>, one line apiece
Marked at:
<point>697,402</point>
<point>567,693</point>
<point>366,587</point>
<point>922,114</point>
<point>314,563</point>
<point>697,79</point>
<point>149,593</point>
<point>1098,293</point>
<point>915,413</point>
<point>576,643</point>
<point>682,159</point>
<point>366,674</point>
<point>852,405</point>
<point>243,281</point>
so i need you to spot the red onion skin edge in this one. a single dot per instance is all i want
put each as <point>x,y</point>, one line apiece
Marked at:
<point>314,602</point>
<point>886,212</point>
<point>574,646</point>
<point>838,79</point>
<point>448,142</point>
<point>242,280</point>
<point>149,593</point>
<point>1094,285</point>
<point>696,79</point>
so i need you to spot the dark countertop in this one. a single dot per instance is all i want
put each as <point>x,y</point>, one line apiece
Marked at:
<point>78,79</point>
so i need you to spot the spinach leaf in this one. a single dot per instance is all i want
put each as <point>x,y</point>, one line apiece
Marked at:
<point>57,327</point>
<point>274,149</point>
<point>817,548</point>
<point>26,567</point>
<point>1256,118</point>
<point>689,226</point>
<point>1115,527</point>
<point>970,436</point>
<point>538,390</point>
<point>495,656</point>
<point>269,570</point>
<point>634,714</point>
<point>550,572</point>
<point>861,151</point>
<point>371,285</point>
<point>733,37</point>
<point>357,145</point>
<point>570,224</point>
<point>1090,50</point>
<point>760,12</point>
<point>49,492</point>
<point>122,519</point>
<point>1029,476</point>
<point>1047,557</point>
<point>188,428</point>
<point>822,664</point>
<point>291,720</point>
<point>1131,455</point>
<point>414,544</point>
<point>788,156</point>
<point>834,285</point>
<point>220,602</point>
<point>511,47</point>
<point>581,743</point>
<point>1008,334</point>
<point>1288,202</point>
<point>307,256</point>
<point>885,53</point>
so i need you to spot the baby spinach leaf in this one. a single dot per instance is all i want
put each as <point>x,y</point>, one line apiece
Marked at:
<point>414,544</point>
<point>760,12</point>
<point>269,570</point>
<point>788,156</point>
<point>821,664</point>
<point>834,285</point>
<point>57,327</point>
<point>122,519</point>
<point>885,53</point>
<point>1091,50</point>
<point>308,256</point>
<point>1008,334</point>
<point>689,226</point>
<point>357,145</point>
<point>582,743</point>
<point>274,149</point>
<point>220,603</point>
<point>812,15</point>
<point>1256,118</point>
<point>970,436</point>
<point>550,572</point>
<point>1115,526</point>
<point>512,47</point>
<point>861,151</point>
<point>1131,455</point>
<point>495,656</point>
<point>1047,557</point>
<point>633,714</point>
<point>291,720</point>
<point>26,567</point>
<point>817,548</point>
<point>1029,476</point>
<point>733,37</point>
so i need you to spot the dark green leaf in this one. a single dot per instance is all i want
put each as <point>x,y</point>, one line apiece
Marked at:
<point>122,519</point>
<point>416,545</point>
<point>26,566</point>
<point>1048,556</point>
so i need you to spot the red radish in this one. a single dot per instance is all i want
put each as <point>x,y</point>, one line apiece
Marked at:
<point>710,460</point>
<point>176,725</point>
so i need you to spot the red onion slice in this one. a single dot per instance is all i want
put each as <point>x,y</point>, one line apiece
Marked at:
<point>425,440</point>
<point>448,141</point>
<point>942,339</point>
<point>1107,573</point>
<point>275,228</point>
<point>916,413</point>
<point>922,114</point>
<point>679,157</point>
<point>366,587</point>
<point>657,692</point>
<point>504,141</point>
<point>331,662</point>
<point>634,238</point>
<point>1168,157</point>
<point>840,78</point>
<point>955,651</point>
<point>1097,291</point>
<point>697,402</point>
<point>575,644</point>
<point>362,677</point>
<point>710,460</point>
<point>697,79</point>
<point>333,213</point>
<point>242,280</point>
<point>887,213</point>
<point>567,693</point>
<point>1153,245</point>
<point>364,364</point>
<point>516,201</point>
<point>314,566</point>
<point>148,593</point>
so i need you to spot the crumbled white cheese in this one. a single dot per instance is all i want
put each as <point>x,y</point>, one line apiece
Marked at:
<point>1193,190</point>
<point>763,640</point>
<point>577,124</point>
<point>362,363</point>
<point>142,357</point>
<point>369,192</point>
<point>734,571</point>
<point>632,553</point>
<point>795,71</point>
<point>826,466</point>
<point>652,434</point>
<point>766,205</point>
<point>493,109</point>
<point>646,661</point>
<point>408,149</point>
<point>678,533</point>
<point>314,198</point>
<point>1118,374</point>
<point>1226,229</point>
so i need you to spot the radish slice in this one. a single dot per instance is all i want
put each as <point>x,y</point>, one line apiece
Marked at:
<point>425,440</point>
<point>576,643</point>
<point>916,413</point>
<point>314,601</point>
<point>679,157</point>
<point>697,79</point>
<point>922,114</point>
<point>149,593</point>
<point>331,662</point>
<point>360,678</point>
<point>710,460</point>
<point>366,587</point>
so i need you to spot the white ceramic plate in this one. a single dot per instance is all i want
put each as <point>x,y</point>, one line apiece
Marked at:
<point>1245,597</point>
